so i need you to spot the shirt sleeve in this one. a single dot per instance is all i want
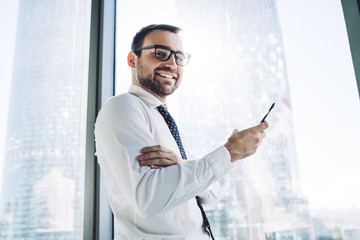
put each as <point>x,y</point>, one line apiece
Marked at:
<point>121,130</point>
<point>211,196</point>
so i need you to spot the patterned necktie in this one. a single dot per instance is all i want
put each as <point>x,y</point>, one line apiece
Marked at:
<point>173,128</point>
<point>175,133</point>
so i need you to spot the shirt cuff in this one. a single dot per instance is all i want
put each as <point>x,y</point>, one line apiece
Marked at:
<point>221,161</point>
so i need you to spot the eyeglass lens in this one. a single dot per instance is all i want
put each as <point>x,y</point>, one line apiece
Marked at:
<point>165,54</point>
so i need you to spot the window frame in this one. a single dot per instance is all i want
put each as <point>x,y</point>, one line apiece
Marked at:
<point>98,217</point>
<point>351,9</point>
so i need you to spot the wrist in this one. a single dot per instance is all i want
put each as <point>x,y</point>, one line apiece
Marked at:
<point>234,155</point>
<point>228,148</point>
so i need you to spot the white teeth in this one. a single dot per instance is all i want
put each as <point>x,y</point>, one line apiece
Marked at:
<point>165,75</point>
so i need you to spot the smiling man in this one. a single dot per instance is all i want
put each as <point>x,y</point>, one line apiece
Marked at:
<point>156,190</point>
<point>157,71</point>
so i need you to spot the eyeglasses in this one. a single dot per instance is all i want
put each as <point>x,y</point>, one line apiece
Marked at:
<point>163,53</point>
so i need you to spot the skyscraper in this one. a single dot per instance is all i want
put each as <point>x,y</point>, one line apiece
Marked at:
<point>243,74</point>
<point>43,179</point>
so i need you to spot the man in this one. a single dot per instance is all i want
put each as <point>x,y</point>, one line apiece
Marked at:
<point>151,185</point>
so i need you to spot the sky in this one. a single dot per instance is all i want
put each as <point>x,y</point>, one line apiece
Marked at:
<point>324,97</point>
<point>8,20</point>
<point>325,100</point>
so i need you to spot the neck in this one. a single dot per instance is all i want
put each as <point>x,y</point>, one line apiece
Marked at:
<point>162,99</point>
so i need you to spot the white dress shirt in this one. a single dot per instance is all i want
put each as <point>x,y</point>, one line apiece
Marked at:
<point>152,203</point>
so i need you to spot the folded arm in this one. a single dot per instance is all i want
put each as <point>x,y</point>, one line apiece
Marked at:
<point>121,132</point>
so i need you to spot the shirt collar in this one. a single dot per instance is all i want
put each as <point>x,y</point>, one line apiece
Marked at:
<point>145,96</point>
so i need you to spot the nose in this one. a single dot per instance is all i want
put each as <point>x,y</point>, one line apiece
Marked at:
<point>171,62</point>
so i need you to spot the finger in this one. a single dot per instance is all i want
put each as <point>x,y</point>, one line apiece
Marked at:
<point>262,134</point>
<point>163,159</point>
<point>147,163</point>
<point>262,126</point>
<point>259,137</point>
<point>156,162</point>
<point>235,131</point>
<point>151,148</point>
<point>153,155</point>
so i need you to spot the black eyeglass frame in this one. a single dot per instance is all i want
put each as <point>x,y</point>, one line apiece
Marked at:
<point>186,55</point>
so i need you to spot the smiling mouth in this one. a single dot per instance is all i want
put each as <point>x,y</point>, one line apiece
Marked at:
<point>168,76</point>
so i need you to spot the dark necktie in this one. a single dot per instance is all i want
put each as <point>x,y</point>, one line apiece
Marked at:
<point>175,133</point>
<point>173,128</point>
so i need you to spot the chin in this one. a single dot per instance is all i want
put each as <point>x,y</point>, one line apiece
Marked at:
<point>170,90</point>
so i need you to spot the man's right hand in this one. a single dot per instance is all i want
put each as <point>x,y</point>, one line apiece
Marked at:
<point>157,157</point>
<point>242,144</point>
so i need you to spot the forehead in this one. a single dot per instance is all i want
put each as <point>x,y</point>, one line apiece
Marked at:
<point>166,38</point>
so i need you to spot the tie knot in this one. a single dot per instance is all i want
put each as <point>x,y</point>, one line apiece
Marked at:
<point>163,111</point>
<point>162,108</point>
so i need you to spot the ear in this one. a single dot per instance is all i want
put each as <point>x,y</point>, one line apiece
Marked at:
<point>131,59</point>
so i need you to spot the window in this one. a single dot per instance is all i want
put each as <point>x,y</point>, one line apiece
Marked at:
<point>42,191</point>
<point>246,55</point>
<point>302,183</point>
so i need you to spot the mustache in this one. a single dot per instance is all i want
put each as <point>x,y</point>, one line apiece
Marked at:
<point>166,69</point>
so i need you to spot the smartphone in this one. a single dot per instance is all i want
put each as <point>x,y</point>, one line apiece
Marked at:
<point>272,106</point>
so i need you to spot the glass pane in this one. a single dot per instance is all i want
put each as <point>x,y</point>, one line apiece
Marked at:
<point>245,55</point>
<point>42,188</point>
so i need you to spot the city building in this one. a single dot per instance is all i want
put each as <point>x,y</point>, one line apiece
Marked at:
<point>43,173</point>
<point>262,196</point>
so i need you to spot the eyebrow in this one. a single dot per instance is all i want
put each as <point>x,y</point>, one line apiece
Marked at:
<point>165,47</point>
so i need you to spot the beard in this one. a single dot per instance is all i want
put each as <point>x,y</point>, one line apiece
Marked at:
<point>148,80</point>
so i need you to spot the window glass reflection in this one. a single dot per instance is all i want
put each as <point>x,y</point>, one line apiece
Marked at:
<point>238,67</point>
<point>42,192</point>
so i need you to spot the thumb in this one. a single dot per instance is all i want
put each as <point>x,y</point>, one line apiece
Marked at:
<point>262,126</point>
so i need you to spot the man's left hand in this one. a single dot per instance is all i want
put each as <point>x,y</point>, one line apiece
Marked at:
<point>157,157</point>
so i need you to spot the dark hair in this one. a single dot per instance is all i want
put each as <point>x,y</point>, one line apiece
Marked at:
<point>138,39</point>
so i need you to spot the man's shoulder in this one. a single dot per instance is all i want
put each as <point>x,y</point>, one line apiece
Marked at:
<point>122,100</point>
<point>121,108</point>
<point>125,105</point>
